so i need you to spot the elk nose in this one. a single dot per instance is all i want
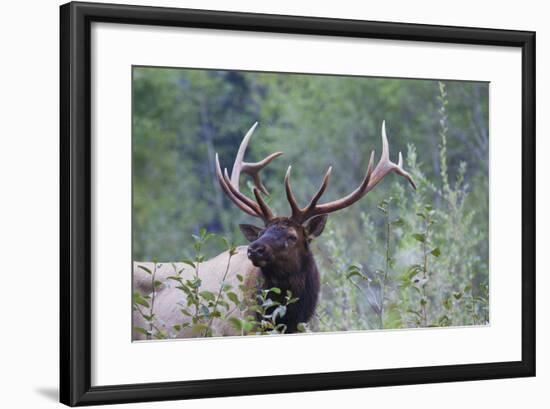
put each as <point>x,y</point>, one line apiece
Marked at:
<point>256,249</point>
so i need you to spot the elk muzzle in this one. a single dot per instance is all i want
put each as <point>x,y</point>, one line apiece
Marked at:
<point>260,253</point>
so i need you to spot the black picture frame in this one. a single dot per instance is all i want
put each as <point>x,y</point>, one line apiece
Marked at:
<point>76,198</point>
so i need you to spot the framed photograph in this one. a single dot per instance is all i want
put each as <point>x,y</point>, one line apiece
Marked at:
<point>262,203</point>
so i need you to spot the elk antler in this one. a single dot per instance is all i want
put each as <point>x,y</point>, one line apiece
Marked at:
<point>258,208</point>
<point>371,179</point>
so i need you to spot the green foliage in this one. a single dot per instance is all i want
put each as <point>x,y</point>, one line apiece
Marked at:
<point>202,307</point>
<point>145,305</point>
<point>421,259</point>
<point>262,319</point>
<point>425,265</point>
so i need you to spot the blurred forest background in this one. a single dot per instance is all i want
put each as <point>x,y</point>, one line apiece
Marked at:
<point>397,258</point>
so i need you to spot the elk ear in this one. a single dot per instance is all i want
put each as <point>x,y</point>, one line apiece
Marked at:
<point>251,233</point>
<point>314,227</point>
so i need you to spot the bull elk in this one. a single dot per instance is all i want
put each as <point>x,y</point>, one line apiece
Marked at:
<point>279,252</point>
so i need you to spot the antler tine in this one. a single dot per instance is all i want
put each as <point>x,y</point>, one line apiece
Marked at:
<point>260,208</point>
<point>228,192</point>
<point>263,205</point>
<point>253,169</point>
<point>402,172</point>
<point>290,196</point>
<point>301,215</point>
<point>320,191</point>
<point>385,157</point>
<point>242,197</point>
<point>385,165</point>
<point>351,198</point>
<point>231,185</point>
<point>236,172</point>
<point>371,179</point>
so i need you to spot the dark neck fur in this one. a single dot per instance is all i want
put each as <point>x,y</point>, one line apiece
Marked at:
<point>304,285</point>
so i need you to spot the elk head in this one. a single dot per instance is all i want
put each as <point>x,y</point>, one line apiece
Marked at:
<point>280,248</point>
<point>281,241</point>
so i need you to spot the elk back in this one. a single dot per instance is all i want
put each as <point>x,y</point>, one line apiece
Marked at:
<point>167,310</point>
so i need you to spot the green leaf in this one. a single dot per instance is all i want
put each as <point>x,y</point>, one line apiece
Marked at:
<point>240,278</point>
<point>194,283</point>
<point>405,280</point>
<point>157,283</point>
<point>237,323</point>
<point>229,246</point>
<point>302,327</point>
<point>256,309</point>
<point>185,312</point>
<point>353,273</point>
<point>457,295</point>
<point>291,300</point>
<point>436,252</point>
<point>357,267</point>
<point>188,262</point>
<point>398,222</point>
<point>223,304</point>
<point>444,321</point>
<point>183,288</point>
<point>141,330</point>
<point>419,237</point>
<point>205,311</point>
<point>226,242</point>
<point>233,297</point>
<point>413,270</point>
<point>275,290</point>
<point>177,327</point>
<point>148,271</point>
<point>207,295</point>
<point>138,299</point>
<point>199,327</point>
<point>392,317</point>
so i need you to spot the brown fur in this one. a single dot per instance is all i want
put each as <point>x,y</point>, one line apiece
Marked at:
<point>282,252</point>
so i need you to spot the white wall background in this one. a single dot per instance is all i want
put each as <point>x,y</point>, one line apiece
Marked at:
<point>29,235</point>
